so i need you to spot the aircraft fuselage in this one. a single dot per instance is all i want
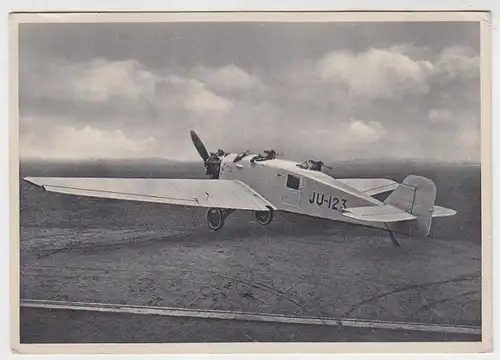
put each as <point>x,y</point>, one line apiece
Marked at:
<point>294,189</point>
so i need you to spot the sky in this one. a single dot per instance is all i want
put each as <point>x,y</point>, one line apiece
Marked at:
<point>332,91</point>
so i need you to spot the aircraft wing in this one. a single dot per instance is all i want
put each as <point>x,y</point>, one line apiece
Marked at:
<point>378,213</point>
<point>228,194</point>
<point>371,186</point>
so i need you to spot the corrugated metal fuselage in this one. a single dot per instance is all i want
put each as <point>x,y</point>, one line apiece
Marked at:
<point>294,189</point>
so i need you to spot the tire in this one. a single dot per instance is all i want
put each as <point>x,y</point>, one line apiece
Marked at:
<point>264,217</point>
<point>215,219</point>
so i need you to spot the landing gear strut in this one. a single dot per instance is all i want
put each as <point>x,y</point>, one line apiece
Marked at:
<point>216,216</point>
<point>264,217</point>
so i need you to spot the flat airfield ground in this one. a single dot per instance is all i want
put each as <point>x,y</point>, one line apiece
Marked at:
<point>105,251</point>
<point>45,325</point>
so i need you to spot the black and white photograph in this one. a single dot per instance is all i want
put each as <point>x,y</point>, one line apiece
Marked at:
<point>218,178</point>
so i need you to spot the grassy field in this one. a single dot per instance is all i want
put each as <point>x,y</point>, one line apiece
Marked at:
<point>84,249</point>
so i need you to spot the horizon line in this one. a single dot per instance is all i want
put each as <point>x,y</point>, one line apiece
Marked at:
<point>146,159</point>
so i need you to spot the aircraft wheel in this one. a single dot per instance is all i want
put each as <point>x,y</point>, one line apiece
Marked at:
<point>264,217</point>
<point>215,218</point>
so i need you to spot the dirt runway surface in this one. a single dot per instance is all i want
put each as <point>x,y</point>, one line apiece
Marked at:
<point>49,326</point>
<point>336,273</point>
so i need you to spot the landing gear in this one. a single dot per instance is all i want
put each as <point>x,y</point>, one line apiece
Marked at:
<point>264,217</point>
<point>216,216</point>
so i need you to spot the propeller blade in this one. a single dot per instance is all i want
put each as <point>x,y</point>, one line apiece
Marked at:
<point>198,144</point>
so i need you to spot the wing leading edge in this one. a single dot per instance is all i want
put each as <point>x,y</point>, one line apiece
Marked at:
<point>228,194</point>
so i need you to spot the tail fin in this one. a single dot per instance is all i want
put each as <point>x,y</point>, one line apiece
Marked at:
<point>415,195</point>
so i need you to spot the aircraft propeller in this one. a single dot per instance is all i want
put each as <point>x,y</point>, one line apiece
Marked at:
<point>198,144</point>
<point>211,161</point>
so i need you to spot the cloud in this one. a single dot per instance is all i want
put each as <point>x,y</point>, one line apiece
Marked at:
<point>227,78</point>
<point>458,62</point>
<point>203,100</point>
<point>387,73</point>
<point>101,80</point>
<point>339,105</point>
<point>66,142</point>
<point>366,131</point>
<point>123,86</point>
<point>376,73</point>
<point>95,81</point>
<point>440,115</point>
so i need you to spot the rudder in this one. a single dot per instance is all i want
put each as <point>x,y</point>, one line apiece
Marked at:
<point>416,195</point>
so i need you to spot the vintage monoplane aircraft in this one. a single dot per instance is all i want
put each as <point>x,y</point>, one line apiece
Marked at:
<point>264,184</point>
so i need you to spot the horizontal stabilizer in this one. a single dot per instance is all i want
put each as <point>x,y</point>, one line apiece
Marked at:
<point>371,186</point>
<point>226,194</point>
<point>440,211</point>
<point>378,213</point>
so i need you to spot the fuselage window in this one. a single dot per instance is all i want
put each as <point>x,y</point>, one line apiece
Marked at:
<point>292,182</point>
